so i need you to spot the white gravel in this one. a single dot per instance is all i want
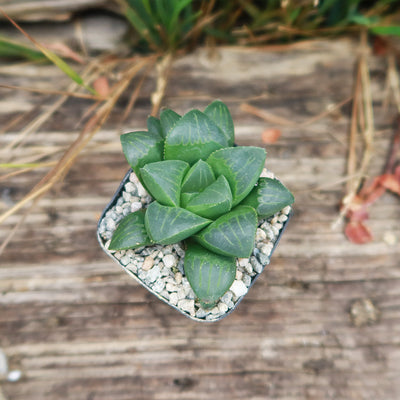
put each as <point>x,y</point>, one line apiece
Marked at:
<point>160,268</point>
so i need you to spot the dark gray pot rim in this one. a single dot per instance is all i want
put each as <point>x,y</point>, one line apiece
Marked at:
<point>113,202</point>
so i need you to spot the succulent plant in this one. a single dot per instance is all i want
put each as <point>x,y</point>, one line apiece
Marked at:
<point>207,192</point>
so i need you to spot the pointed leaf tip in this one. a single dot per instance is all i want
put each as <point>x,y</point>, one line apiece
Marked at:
<point>241,166</point>
<point>163,180</point>
<point>195,136</point>
<point>268,197</point>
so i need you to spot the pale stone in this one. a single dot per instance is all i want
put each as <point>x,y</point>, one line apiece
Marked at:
<point>141,190</point>
<point>148,263</point>
<point>239,274</point>
<point>260,235</point>
<point>238,288</point>
<point>181,293</point>
<point>130,187</point>
<point>153,274</point>
<point>170,260</point>
<point>286,210</point>
<point>282,218</point>
<point>136,206</point>
<point>178,278</point>
<point>222,307</point>
<point>173,298</point>
<point>14,376</point>
<point>125,260</point>
<point>187,305</point>
<point>243,262</point>
<point>3,363</point>
<point>171,287</point>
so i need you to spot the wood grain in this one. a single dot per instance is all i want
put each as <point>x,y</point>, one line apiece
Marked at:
<point>79,328</point>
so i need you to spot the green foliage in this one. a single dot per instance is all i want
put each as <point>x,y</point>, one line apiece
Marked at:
<point>162,24</point>
<point>206,192</point>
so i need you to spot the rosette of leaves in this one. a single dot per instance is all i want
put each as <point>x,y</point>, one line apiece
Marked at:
<point>207,192</point>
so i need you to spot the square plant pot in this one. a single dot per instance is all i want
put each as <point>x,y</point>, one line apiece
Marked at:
<point>159,268</point>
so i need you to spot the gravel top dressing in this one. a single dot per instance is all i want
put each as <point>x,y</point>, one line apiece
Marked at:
<point>160,267</point>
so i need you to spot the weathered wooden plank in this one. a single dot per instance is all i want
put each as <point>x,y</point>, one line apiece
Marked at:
<point>78,327</point>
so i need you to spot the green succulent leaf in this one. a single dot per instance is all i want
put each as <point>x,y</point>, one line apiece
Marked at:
<point>232,234</point>
<point>185,198</point>
<point>130,233</point>
<point>193,137</point>
<point>163,180</point>
<point>154,126</point>
<point>241,166</point>
<point>220,114</point>
<point>210,275</point>
<point>213,201</point>
<point>167,225</point>
<point>168,119</point>
<point>198,177</point>
<point>141,148</point>
<point>268,197</point>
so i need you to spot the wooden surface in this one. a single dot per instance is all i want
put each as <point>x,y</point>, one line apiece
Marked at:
<point>322,322</point>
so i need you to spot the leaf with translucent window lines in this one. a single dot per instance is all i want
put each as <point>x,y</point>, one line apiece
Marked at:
<point>168,225</point>
<point>130,233</point>
<point>163,180</point>
<point>193,137</point>
<point>232,234</point>
<point>141,148</point>
<point>213,201</point>
<point>168,119</point>
<point>210,275</point>
<point>199,176</point>
<point>220,114</point>
<point>268,197</point>
<point>241,166</point>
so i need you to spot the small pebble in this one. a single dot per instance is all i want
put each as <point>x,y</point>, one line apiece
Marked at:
<point>3,363</point>
<point>248,268</point>
<point>133,178</point>
<point>126,196</point>
<point>130,187</point>
<point>187,305</point>
<point>201,313</point>
<point>275,230</point>
<point>181,293</point>
<point>159,285</point>
<point>264,259</point>
<point>239,275</point>
<point>257,267</point>
<point>282,218</point>
<point>227,297</point>
<point>141,190</point>
<point>148,263</point>
<point>136,206</point>
<point>178,278</point>
<point>169,260</point>
<point>266,248</point>
<point>173,298</point>
<point>14,376</point>
<point>110,224</point>
<point>171,287</point>
<point>260,235</point>
<point>238,288</point>
<point>153,274</point>
<point>243,262</point>
<point>247,280</point>
<point>222,308</point>
<point>125,260</point>
<point>286,210</point>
